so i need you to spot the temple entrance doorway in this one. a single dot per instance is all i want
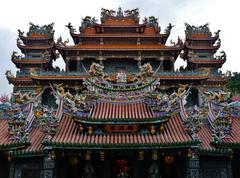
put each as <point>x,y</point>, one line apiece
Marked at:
<point>122,168</point>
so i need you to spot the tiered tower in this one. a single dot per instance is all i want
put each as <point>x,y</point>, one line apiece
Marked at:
<point>38,49</point>
<point>122,109</point>
<point>199,52</point>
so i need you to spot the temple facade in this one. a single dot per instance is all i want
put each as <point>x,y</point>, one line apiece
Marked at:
<point>119,109</point>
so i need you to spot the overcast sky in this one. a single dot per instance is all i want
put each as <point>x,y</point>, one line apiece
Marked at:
<point>220,14</point>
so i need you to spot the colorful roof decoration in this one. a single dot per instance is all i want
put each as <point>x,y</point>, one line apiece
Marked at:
<point>119,90</point>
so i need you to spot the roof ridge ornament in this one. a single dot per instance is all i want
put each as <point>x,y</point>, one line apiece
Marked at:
<point>219,113</point>
<point>202,29</point>
<point>120,14</point>
<point>36,29</point>
<point>70,27</point>
<point>87,21</point>
<point>152,21</point>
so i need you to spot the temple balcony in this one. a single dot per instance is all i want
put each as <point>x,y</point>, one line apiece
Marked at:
<point>62,73</point>
<point>78,73</point>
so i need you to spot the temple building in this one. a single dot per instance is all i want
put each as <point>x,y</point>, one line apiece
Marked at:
<point>119,109</point>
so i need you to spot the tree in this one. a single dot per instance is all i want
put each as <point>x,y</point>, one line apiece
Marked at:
<point>234,83</point>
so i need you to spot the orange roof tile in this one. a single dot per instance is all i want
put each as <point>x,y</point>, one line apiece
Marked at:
<point>106,110</point>
<point>4,136</point>
<point>38,35</point>
<point>205,136</point>
<point>89,30</point>
<point>209,61</point>
<point>31,60</point>
<point>235,132</point>
<point>200,35</point>
<point>120,35</point>
<point>120,46</point>
<point>150,30</point>
<point>123,21</point>
<point>174,132</point>
<point>36,137</point>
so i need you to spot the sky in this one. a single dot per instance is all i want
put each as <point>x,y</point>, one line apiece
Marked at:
<point>220,14</point>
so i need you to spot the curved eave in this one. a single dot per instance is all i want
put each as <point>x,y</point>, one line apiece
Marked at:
<point>216,80</point>
<point>30,61</point>
<point>29,38</point>
<point>112,121</point>
<point>25,153</point>
<point>20,46</point>
<point>202,61</point>
<point>215,152</point>
<point>59,77</point>
<point>15,80</point>
<point>213,38</point>
<point>120,26</point>
<point>183,77</point>
<point>102,48</point>
<point>111,146</point>
<point>102,35</point>
<point>14,145</point>
<point>203,47</point>
<point>226,145</point>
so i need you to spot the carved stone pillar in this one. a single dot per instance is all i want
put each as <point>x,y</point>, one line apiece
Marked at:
<point>193,167</point>
<point>48,168</point>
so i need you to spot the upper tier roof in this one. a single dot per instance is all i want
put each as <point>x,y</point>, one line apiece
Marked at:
<point>111,17</point>
<point>118,22</point>
<point>37,32</point>
<point>118,47</point>
<point>201,33</point>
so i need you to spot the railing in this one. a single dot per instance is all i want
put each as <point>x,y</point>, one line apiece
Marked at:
<point>181,73</point>
<point>62,73</point>
<point>160,73</point>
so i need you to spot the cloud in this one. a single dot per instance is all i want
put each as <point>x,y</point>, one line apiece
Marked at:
<point>7,45</point>
<point>219,13</point>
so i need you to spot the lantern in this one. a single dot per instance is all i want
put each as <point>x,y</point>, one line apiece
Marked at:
<point>102,155</point>
<point>168,159</point>
<point>141,155</point>
<point>53,155</point>
<point>161,128</point>
<point>153,131</point>
<point>90,130</point>
<point>154,155</point>
<point>189,153</point>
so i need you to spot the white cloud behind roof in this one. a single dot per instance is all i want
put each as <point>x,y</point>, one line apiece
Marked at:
<point>17,14</point>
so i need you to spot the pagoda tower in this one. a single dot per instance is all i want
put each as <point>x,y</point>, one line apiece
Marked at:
<point>119,42</point>
<point>200,53</point>
<point>119,109</point>
<point>37,47</point>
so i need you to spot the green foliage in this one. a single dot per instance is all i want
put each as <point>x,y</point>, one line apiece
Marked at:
<point>234,83</point>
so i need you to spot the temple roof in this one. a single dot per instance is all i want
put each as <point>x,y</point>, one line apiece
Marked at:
<point>147,33</point>
<point>120,111</point>
<point>5,142</point>
<point>203,47</point>
<point>37,32</point>
<point>36,148</point>
<point>119,47</point>
<point>207,61</point>
<point>174,135</point>
<point>128,110</point>
<point>233,140</point>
